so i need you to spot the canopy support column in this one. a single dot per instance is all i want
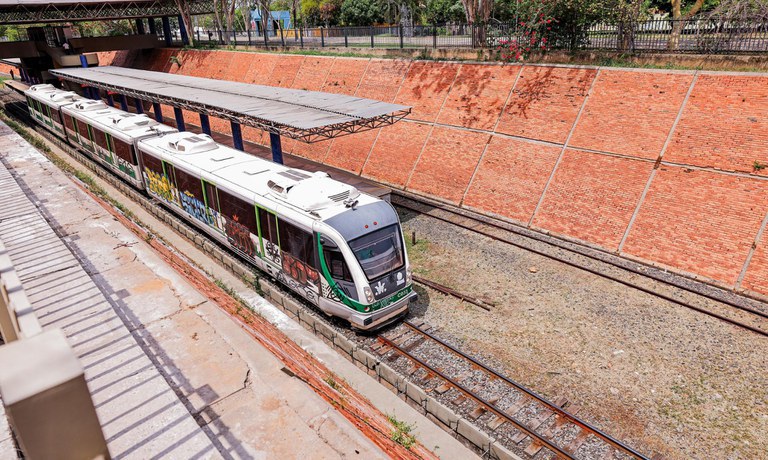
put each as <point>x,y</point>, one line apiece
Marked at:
<point>179,119</point>
<point>139,105</point>
<point>158,111</point>
<point>140,26</point>
<point>237,135</point>
<point>205,124</point>
<point>167,31</point>
<point>123,102</point>
<point>152,27</point>
<point>86,89</point>
<point>183,31</point>
<point>277,148</point>
<point>110,99</point>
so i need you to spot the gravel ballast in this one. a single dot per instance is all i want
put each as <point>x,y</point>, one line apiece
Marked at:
<point>663,378</point>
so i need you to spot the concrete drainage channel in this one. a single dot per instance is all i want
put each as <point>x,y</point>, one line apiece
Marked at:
<point>384,374</point>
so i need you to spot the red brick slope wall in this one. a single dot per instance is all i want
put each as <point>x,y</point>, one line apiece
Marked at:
<point>652,165</point>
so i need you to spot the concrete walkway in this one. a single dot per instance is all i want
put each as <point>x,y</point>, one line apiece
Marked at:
<point>171,375</point>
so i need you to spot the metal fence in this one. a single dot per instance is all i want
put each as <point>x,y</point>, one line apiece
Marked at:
<point>695,35</point>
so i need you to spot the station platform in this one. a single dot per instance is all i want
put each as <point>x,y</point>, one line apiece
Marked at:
<point>171,375</point>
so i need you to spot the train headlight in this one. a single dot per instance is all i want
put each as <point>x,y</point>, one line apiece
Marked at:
<point>408,276</point>
<point>368,294</point>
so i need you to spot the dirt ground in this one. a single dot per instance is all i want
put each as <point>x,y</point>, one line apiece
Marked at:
<point>658,376</point>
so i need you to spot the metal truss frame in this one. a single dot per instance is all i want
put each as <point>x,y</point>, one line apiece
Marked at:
<point>77,11</point>
<point>308,136</point>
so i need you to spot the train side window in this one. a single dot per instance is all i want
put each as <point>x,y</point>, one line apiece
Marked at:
<point>99,138</point>
<point>189,184</point>
<point>153,164</point>
<point>268,223</point>
<point>82,128</point>
<point>337,265</point>
<point>239,210</point>
<point>70,124</point>
<point>123,150</point>
<point>297,243</point>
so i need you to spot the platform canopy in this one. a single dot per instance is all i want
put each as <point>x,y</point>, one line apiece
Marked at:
<point>42,11</point>
<point>308,116</point>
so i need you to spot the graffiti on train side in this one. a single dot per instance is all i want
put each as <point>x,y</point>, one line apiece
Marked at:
<point>272,252</point>
<point>300,277</point>
<point>239,236</point>
<point>160,185</point>
<point>195,208</point>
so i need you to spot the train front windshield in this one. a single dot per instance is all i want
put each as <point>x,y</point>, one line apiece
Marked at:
<point>379,252</point>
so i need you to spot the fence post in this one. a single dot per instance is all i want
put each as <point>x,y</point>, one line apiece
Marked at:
<point>434,36</point>
<point>249,36</point>
<point>282,39</point>
<point>346,40</point>
<point>301,37</point>
<point>400,30</point>
<point>371,36</point>
<point>234,36</point>
<point>322,38</point>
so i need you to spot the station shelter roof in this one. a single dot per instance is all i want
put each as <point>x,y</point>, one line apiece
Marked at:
<point>308,116</point>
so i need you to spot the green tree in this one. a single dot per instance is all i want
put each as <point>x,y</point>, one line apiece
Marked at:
<point>442,11</point>
<point>360,12</point>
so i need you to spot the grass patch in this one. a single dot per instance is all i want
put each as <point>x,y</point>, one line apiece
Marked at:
<point>401,432</point>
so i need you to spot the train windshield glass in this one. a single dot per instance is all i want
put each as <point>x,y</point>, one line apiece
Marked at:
<point>379,252</point>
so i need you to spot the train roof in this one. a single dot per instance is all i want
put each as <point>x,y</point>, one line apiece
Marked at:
<point>114,121</point>
<point>53,96</point>
<point>312,193</point>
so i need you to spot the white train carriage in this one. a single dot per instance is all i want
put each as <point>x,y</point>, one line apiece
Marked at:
<point>109,135</point>
<point>45,102</point>
<point>340,249</point>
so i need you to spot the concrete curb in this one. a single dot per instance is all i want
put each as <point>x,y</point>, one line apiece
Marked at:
<point>384,374</point>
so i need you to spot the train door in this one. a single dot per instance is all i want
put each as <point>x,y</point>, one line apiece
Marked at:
<point>299,262</point>
<point>70,129</point>
<point>84,136</point>
<point>101,146</point>
<point>269,236</point>
<point>211,197</point>
<point>47,118</point>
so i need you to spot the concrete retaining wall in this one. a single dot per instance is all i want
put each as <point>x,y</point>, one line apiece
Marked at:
<point>660,166</point>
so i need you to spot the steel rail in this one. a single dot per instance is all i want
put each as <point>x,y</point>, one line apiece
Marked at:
<point>554,407</point>
<point>605,275</point>
<point>512,228</point>
<point>492,407</point>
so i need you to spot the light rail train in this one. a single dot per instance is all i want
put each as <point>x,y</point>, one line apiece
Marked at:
<point>339,248</point>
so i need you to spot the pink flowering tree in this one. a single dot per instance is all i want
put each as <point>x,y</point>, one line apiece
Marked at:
<point>533,25</point>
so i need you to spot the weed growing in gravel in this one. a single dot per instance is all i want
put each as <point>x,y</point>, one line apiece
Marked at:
<point>401,433</point>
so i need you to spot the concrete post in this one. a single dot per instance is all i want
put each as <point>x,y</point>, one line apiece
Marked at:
<point>179,119</point>
<point>47,400</point>
<point>205,124</point>
<point>237,135</point>
<point>167,31</point>
<point>158,111</point>
<point>139,105</point>
<point>140,26</point>
<point>277,148</point>
<point>183,31</point>
<point>152,28</point>
<point>123,102</point>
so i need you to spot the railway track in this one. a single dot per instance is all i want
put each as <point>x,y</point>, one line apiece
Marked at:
<point>737,313</point>
<point>519,417</point>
